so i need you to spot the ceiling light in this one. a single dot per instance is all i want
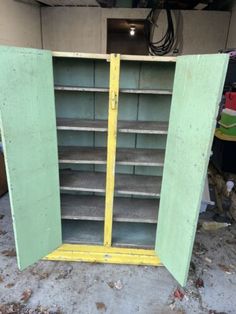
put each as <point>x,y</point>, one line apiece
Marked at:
<point>201,6</point>
<point>132,31</point>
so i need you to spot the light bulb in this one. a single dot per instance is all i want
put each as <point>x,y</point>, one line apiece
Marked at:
<point>132,31</point>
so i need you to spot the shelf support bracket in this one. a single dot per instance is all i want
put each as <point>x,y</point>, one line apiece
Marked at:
<point>111,146</point>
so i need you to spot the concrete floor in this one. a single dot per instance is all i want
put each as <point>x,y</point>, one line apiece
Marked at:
<point>58,287</point>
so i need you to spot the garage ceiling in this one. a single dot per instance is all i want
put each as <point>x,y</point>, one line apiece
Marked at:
<point>89,3</point>
<point>174,4</point>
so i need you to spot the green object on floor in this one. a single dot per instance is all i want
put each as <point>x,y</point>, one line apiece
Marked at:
<point>228,122</point>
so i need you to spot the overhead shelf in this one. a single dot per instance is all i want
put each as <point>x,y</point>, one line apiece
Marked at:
<point>126,184</point>
<point>124,156</point>
<point>139,127</point>
<point>104,90</point>
<point>83,207</point>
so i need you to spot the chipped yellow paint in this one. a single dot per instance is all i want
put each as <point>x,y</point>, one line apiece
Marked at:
<point>101,254</point>
<point>111,146</point>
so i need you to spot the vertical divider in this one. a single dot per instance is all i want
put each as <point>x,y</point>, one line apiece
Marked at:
<point>111,145</point>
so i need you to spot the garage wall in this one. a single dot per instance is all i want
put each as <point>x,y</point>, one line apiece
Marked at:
<point>232,30</point>
<point>72,29</point>
<point>20,24</point>
<point>198,31</point>
<point>204,31</point>
<point>85,29</point>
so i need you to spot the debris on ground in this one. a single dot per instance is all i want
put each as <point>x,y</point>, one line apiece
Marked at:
<point>41,310</point>
<point>227,269</point>
<point>178,294</point>
<point>199,248</point>
<point>214,225</point>
<point>44,310</point>
<point>199,283</point>
<point>64,273</point>
<point>11,308</point>
<point>208,260</point>
<point>40,275</point>
<point>118,284</point>
<point>2,232</point>
<point>19,308</point>
<point>172,305</point>
<point>9,253</point>
<point>1,279</point>
<point>10,285</point>
<point>111,284</point>
<point>101,306</point>
<point>215,312</point>
<point>26,295</point>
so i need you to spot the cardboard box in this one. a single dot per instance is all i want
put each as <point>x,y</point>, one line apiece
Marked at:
<point>3,177</point>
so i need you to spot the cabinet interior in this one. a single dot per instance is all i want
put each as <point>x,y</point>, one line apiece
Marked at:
<point>81,100</point>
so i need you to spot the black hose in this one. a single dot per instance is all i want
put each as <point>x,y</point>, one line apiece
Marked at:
<point>165,44</point>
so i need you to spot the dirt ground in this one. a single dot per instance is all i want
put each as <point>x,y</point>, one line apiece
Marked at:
<point>83,288</point>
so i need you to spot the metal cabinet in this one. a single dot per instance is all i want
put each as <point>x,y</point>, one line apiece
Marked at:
<point>130,139</point>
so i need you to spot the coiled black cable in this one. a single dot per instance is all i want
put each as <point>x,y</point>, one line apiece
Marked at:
<point>164,45</point>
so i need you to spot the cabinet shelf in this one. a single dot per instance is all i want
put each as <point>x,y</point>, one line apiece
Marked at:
<point>146,91</point>
<point>135,235</point>
<point>139,127</point>
<point>105,90</point>
<point>83,207</point>
<point>80,89</point>
<point>82,232</point>
<point>126,184</point>
<point>124,156</point>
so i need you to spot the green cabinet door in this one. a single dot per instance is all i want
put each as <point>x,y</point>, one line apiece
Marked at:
<point>28,127</point>
<point>198,86</point>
